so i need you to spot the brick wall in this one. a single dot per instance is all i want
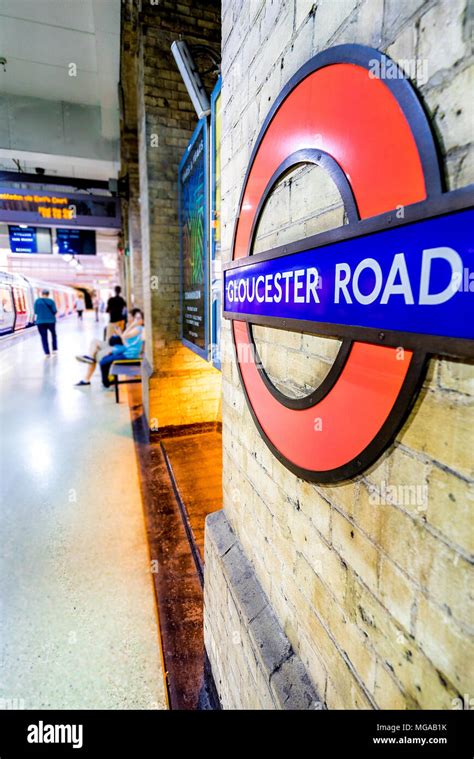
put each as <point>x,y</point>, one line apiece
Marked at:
<point>183,388</point>
<point>368,580</point>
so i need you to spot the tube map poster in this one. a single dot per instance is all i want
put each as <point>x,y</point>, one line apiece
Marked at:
<point>193,233</point>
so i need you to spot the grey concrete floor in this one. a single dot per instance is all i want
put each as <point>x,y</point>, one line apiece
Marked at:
<point>78,621</point>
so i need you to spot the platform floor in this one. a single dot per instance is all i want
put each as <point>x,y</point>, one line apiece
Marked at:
<point>78,619</point>
<point>196,462</point>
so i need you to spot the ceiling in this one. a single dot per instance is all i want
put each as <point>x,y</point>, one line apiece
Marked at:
<point>58,165</point>
<point>44,42</point>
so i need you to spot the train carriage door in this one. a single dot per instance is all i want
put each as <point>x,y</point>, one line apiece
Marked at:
<point>30,304</point>
<point>62,298</point>
<point>20,307</point>
<point>7,311</point>
<point>58,299</point>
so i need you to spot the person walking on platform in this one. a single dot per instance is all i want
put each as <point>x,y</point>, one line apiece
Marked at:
<point>80,306</point>
<point>45,319</point>
<point>96,305</point>
<point>116,308</point>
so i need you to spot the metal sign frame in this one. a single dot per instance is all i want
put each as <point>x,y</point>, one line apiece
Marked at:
<point>214,317</point>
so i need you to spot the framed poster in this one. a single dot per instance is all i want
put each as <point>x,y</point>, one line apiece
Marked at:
<point>216,258</point>
<point>193,229</point>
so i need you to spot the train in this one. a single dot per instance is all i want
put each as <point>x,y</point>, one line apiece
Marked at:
<point>18,294</point>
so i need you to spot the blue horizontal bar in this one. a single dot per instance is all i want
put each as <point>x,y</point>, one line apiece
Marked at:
<point>415,278</point>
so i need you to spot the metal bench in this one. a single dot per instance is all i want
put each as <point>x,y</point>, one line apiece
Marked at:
<point>131,368</point>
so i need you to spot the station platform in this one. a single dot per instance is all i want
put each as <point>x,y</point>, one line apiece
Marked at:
<point>78,624</point>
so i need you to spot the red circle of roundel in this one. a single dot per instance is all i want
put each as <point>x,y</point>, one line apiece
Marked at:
<point>377,133</point>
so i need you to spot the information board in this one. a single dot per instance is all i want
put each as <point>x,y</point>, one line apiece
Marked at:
<point>30,207</point>
<point>193,223</point>
<point>22,239</point>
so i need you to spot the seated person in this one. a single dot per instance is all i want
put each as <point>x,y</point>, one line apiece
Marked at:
<point>126,344</point>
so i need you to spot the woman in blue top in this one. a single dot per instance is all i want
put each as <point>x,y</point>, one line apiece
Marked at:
<point>126,344</point>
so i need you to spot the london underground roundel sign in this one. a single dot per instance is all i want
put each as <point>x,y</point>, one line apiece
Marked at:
<point>394,284</point>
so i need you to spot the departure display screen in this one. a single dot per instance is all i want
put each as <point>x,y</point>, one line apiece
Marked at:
<point>77,242</point>
<point>24,239</point>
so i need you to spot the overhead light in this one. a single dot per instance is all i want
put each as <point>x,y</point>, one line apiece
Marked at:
<point>191,78</point>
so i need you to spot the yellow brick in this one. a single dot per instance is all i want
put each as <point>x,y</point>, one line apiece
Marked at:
<point>312,505</point>
<point>458,376</point>
<point>387,692</point>
<point>400,652</point>
<point>283,339</point>
<point>318,595</point>
<point>396,592</point>
<point>354,644</point>
<point>287,615</point>
<point>451,507</point>
<point>305,371</point>
<point>283,478</point>
<point>355,548</point>
<point>263,482</point>
<point>326,347</point>
<point>450,581</point>
<point>450,650</point>
<point>346,690</point>
<point>284,546</point>
<point>378,472</point>
<point>341,694</point>
<point>367,512</point>
<point>329,220</point>
<point>262,513</point>
<point>275,362</point>
<point>343,496</point>
<point>321,557</point>
<point>442,428</point>
<point>272,562</point>
<point>347,636</point>
<point>405,542</point>
<point>262,453</point>
<point>313,663</point>
<point>409,476</point>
